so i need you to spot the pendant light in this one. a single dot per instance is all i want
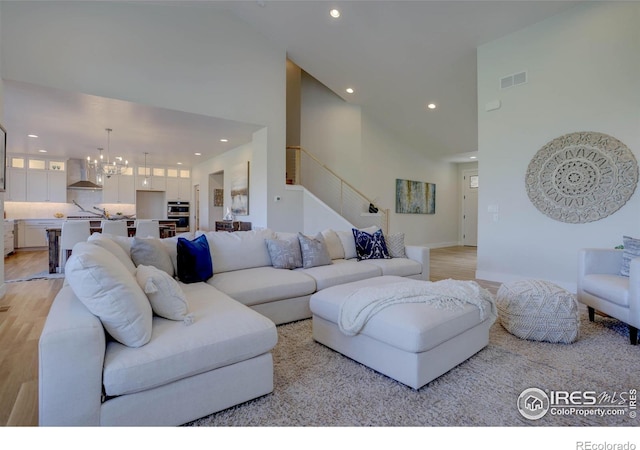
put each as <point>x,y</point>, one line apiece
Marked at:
<point>145,182</point>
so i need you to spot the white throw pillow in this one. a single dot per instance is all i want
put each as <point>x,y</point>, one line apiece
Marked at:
<point>164,293</point>
<point>115,249</point>
<point>105,286</point>
<point>348,244</point>
<point>334,245</point>
<point>123,242</point>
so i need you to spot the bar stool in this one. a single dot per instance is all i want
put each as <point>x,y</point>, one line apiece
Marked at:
<point>147,228</point>
<point>114,227</point>
<point>73,231</point>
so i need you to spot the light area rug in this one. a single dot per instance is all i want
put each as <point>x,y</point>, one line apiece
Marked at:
<point>44,275</point>
<point>316,386</point>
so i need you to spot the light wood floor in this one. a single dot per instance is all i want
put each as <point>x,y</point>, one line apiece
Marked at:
<point>28,304</point>
<point>20,327</point>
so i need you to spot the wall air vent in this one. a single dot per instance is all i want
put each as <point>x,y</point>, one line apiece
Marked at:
<point>513,80</point>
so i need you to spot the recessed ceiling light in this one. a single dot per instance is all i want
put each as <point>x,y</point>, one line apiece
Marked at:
<point>473,157</point>
<point>334,13</point>
<point>431,106</point>
<point>198,154</point>
<point>224,140</point>
<point>42,150</point>
<point>179,163</point>
<point>349,91</point>
<point>32,135</point>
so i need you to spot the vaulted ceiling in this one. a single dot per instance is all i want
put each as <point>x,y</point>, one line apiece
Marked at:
<point>397,56</point>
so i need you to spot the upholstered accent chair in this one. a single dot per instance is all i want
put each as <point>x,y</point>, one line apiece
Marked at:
<point>73,231</point>
<point>603,286</point>
<point>147,228</point>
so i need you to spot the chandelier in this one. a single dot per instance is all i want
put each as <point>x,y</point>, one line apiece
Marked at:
<point>108,167</point>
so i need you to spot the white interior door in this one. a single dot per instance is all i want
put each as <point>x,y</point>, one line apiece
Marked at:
<point>470,208</point>
<point>196,209</point>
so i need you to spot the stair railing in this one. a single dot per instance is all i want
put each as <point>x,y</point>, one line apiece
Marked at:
<point>305,169</point>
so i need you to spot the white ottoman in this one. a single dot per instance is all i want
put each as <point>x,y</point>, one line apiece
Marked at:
<point>412,343</point>
<point>538,310</point>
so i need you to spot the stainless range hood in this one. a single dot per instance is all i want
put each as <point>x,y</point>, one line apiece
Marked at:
<point>78,176</point>
<point>84,184</point>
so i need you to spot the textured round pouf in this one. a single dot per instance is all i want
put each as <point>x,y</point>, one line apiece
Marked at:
<point>538,310</point>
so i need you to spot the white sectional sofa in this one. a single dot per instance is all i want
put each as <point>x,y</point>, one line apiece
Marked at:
<point>94,370</point>
<point>243,270</point>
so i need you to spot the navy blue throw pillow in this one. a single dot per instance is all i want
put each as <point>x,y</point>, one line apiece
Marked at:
<point>194,260</point>
<point>370,246</point>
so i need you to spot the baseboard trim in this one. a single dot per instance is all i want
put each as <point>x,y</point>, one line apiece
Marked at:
<point>443,244</point>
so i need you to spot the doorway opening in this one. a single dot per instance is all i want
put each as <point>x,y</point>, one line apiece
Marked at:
<point>470,186</point>
<point>216,198</point>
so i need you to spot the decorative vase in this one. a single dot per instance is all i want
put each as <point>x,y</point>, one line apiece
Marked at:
<point>229,216</point>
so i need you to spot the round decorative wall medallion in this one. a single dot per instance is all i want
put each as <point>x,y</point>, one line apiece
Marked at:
<point>581,177</point>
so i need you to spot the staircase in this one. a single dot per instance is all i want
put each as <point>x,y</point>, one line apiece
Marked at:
<point>306,170</point>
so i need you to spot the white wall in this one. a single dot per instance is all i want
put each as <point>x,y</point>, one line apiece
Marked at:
<point>3,287</point>
<point>190,57</point>
<point>331,129</point>
<point>385,159</point>
<point>318,216</point>
<point>583,75</point>
<point>370,158</point>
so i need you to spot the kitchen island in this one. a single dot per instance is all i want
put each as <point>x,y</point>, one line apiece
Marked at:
<point>167,229</point>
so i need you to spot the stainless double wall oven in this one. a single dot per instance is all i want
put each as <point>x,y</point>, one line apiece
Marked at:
<point>181,213</point>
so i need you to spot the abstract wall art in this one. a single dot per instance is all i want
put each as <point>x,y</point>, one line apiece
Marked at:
<point>240,189</point>
<point>415,197</point>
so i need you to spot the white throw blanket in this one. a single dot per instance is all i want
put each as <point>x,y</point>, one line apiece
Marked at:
<point>362,304</point>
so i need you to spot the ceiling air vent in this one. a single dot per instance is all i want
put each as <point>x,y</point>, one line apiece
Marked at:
<point>513,80</point>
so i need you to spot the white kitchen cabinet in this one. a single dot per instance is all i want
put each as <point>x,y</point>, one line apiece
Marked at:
<point>33,232</point>
<point>36,179</point>
<point>19,242</point>
<point>16,185</point>
<point>119,189</point>
<point>37,184</point>
<point>46,186</point>
<point>9,239</point>
<point>178,189</point>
